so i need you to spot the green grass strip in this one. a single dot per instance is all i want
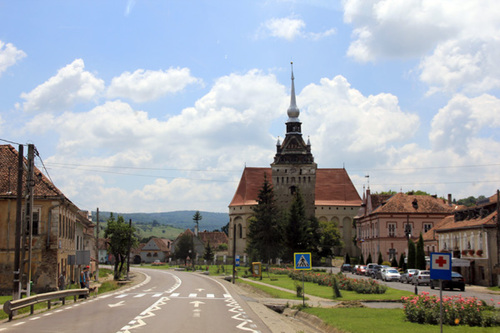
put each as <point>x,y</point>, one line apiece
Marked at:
<point>273,292</point>
<point>366,320</point>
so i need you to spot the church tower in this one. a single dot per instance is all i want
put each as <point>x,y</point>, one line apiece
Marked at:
<point>293,167</point>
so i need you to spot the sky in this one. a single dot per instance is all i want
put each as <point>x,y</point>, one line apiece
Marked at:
<point>153,106</point>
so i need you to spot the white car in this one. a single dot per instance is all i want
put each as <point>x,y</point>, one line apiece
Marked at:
<point>390,274</point>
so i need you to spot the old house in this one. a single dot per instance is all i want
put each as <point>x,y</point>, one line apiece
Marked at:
<point>155,249</point>
<point>386,223</point>
<point>55,221</point>
<point>200,240</point>
<point>471,234</point>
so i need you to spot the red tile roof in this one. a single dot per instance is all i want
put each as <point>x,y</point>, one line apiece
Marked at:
<point>333,187</point>
<point>451,224</point>
<point>215,238</point>
<point>44,188</point>
<point>405,203</point>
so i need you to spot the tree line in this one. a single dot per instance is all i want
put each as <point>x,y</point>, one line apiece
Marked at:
<point>273,233</point>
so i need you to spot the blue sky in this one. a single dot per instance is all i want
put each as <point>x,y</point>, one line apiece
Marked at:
<point>147,106</point>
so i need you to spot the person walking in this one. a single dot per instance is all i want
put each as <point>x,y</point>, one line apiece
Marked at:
<point>61,283</point>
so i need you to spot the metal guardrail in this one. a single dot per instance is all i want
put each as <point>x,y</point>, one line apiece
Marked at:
<point>10,307</point>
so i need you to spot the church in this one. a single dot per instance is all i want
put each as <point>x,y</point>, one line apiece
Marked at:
<point>328,193</point>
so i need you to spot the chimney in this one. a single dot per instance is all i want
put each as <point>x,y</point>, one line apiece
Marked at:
<point>449,199</point>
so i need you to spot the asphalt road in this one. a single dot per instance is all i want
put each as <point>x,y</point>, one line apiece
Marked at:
<point>166,301</point>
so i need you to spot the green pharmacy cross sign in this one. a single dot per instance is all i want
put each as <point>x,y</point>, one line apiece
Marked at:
<point>302,261</point>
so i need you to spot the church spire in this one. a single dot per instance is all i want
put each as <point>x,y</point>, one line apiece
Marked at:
<point>293,110</point>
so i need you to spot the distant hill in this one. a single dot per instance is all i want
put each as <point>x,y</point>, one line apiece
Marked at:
<point>178,219</point>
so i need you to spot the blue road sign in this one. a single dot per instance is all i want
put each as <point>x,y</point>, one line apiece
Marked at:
<point>237,262</point>
<point>302,261</point>
<point>440,266</point>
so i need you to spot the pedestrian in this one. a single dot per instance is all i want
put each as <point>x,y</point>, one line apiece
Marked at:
<point>87,277</point>
<point>61,283</point>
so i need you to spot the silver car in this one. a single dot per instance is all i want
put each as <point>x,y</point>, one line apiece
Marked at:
<point>390,274</point>
<point>422,277</point>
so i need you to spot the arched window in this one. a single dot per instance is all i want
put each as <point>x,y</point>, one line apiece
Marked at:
<point>240,230</point>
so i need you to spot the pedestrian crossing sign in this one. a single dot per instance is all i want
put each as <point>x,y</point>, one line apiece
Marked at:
<point>302,261</point>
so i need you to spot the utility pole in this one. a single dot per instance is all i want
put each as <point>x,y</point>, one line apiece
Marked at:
<point>234,252</point>
<point>16,289</point>
<point>27,222</point>
<point>97,247</point>
<point>129,246</point>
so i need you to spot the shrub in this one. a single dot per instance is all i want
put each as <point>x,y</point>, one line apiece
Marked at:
<point>457,310</point>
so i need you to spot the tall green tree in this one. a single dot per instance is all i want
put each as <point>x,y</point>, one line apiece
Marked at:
<point>185,248</point>
<point>402,264</point>
<point>369,259</point>
<point>411,262</point>
<point>347,259</point>
<point>420,258</point>
<point>265,227</point>
<point>380,259</point>
<point>296,228</point>
<point>361,259</point>
<point>120,239</point>
<point>197,218</point>
<point>208,255</point>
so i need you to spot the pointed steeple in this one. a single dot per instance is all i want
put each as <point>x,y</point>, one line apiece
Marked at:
<point>293,110</point>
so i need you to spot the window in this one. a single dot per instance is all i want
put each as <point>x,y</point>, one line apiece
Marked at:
<point>427,227</point>
<point>392,229</point>
<point>240,230</point>
<point>392,254</point>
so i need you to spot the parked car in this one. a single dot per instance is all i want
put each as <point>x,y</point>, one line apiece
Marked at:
<point>377,272</point>
<point>407,276</point>
<point>354,269</point>
<point>457,281</point>
<point>422,277</point>
<point>345,268</point>
<point>370,268</point>
<point>390,274</point>
<point>361,270</point>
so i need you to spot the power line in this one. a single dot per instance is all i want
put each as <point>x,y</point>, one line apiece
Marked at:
<point>12,142</point>
<point>139,168</point>
<point>432,167</point>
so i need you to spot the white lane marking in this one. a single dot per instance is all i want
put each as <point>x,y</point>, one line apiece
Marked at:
<point>116,304</point>
<point>192,295</point>
<point>210,295</point>
<point>197,303</point>
<point>121,296</point>
<point>157,295</point>
<point>19,324</point>
<point>139,295</point>
<point>35,318</point>
<point>149,312</point>
<point>175,295</point>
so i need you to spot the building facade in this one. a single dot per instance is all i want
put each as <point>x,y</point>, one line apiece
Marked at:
<point>55,223</point>
<point>386,223</point>
<point>471,235</point>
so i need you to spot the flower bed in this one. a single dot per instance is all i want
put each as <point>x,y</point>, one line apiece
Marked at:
<point>457,310</point>
<point>361,286</point>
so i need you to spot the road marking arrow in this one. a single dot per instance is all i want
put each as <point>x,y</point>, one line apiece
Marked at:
<point>200,289</point>
<point>116,304</point>
<point>197,303</point>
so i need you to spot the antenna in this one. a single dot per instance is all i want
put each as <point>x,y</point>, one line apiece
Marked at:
<point>368,176</point>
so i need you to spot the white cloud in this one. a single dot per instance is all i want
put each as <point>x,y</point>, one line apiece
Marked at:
<point>290,29</point>
<point>459,123</point>
<point>146,85</point>
<point>457,39</point>
<point>71,85</point>
<point>339,116</point>
<point>9,55</point>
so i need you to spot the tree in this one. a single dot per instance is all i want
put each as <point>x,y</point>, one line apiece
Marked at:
<point>369,259</point>
<point>411,255</point>
<point>185,248</point>
<point>361,259</point>
<point>225,229</point>
<point>394,262</point>
<point>209,254</point>
<point>120,239</point>
<point>265,229</point>
<point>329,238</point>
<point>296,227</point>
<point>197,218</point>
<point>420,258</point>
<point>402,264</point>
<point>380,259</point>
<point>347,259</point>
